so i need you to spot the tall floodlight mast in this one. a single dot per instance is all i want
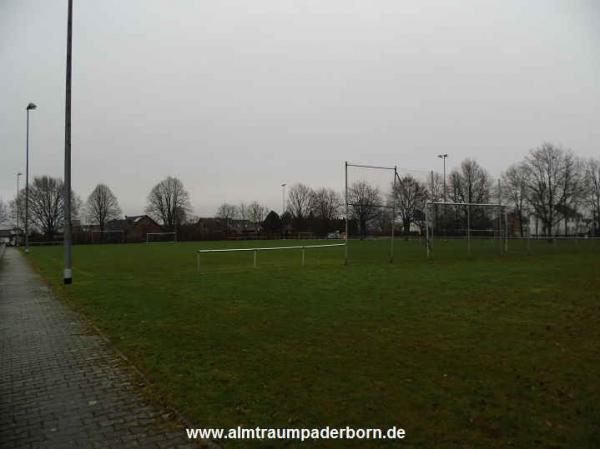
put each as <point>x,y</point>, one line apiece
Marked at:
<point>68,276</point>
<point>444,156</point>
<point>17,206</point>
<point>30,107</point>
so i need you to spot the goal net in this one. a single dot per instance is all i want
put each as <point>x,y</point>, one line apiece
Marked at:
<point>161,237</point>
<point>470,229</point>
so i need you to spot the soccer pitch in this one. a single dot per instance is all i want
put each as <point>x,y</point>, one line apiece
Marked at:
<point>481,351</point>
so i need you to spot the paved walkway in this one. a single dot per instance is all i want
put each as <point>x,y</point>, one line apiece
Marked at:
<point>61,386</point>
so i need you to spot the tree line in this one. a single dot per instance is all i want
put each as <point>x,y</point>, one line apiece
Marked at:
<point>549,186</point>
<point>168,202</point>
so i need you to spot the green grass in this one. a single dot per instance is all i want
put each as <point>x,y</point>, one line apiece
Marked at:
<point>463,352</point>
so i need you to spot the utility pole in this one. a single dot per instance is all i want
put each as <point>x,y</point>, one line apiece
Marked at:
<point>30,107</point>
<point>444,156</point>
<point>68,276</point>
<point>17,205</point>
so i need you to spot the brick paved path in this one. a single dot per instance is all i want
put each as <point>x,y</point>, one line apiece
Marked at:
<point>60,385</point>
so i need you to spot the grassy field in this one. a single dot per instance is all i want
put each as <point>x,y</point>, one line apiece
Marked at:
<point>462,352</point>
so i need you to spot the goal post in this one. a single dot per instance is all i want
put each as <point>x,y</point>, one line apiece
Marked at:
<point>473,222</point>
<point>255,251</point>
<point>161,237</point>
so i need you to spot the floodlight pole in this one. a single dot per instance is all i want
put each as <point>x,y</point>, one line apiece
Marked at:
<point>528,236</point>
<point>17,205</point>
<point>469,229</point>
<point>427,230</point>
<point>30,107</point>
<point>68,277</point>
<point>505,230</point>
<point>393,213</point>
<point>444,156</point>
<point>347,214</point>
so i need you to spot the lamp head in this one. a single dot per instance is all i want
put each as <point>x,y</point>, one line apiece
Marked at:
<point>19,174</point>
<point>31,106</point>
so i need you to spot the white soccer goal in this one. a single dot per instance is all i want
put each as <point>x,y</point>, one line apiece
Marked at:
<point>161,237</point>
<point>113,236</point>
<point>255,251</point>
<point>483,227</point>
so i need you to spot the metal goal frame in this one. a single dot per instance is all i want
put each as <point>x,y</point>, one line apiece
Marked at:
<point>394,169</point>
<point>429,228</point>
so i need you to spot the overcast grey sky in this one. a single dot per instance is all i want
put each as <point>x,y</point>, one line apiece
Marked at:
<point>236,97</point>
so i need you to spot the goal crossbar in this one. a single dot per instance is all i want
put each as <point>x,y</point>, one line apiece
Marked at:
<point>377,167</point>
<point>268,248</point>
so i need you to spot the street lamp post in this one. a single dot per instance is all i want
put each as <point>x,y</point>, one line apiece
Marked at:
<point>68,278</point>
<point>283,198</point>
<point>444,156</point>
<point>30,107</point>
<point>17,205</point>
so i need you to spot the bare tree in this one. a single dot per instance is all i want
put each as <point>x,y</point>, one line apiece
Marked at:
<point>383,219</point>
<point>243,213</point>
<point>102,206</point>
<point>299,203</point>
<point>365,201</point>
<point>573,185</point>
<point>409,196</point>
<point>515,183</point>
<point>46,200</point>
<point>17,207</point>
<point>470,184</point>
<point>552,183</point>
<point>435,187</point>
<point>592,188</point>
<point>256,214</point>
<point>3,212</point>
<point>169,202</point>
<point>326,205</point>
<point>227,212</point>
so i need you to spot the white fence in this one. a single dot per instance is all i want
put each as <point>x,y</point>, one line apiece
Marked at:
<point>303,248</point>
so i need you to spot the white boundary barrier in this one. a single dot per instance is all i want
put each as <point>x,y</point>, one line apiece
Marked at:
<point>257,250</point>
